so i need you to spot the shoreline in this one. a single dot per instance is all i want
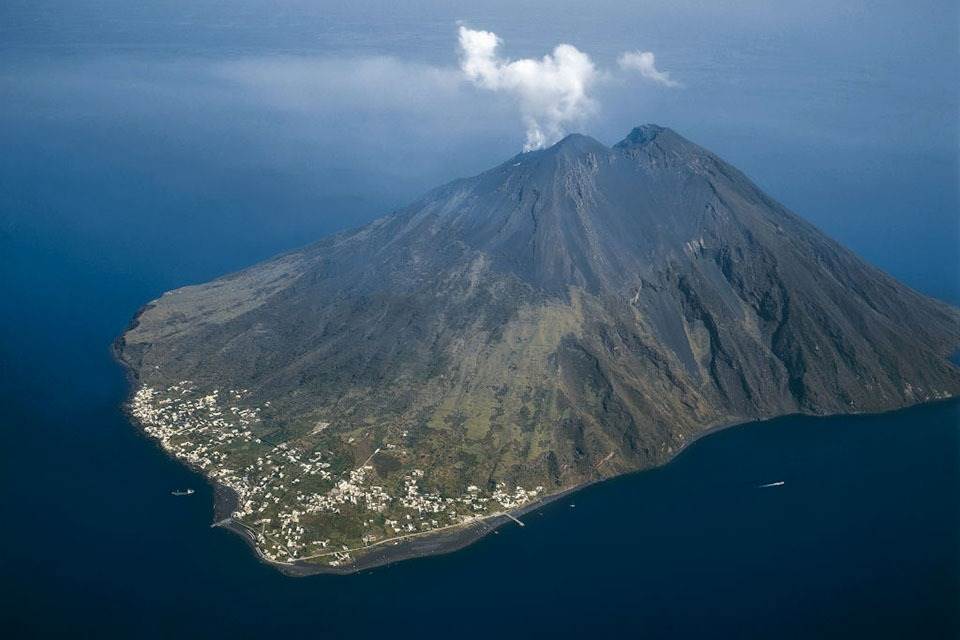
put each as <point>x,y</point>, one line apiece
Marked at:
<point>420,545</point>
<point>424,544</point>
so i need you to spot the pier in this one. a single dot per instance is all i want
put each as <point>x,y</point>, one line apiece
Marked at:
<point>514,519</point>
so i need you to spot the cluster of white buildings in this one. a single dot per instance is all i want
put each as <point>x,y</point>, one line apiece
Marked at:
<point>519,497</point>
<point>351,489</point>
<point>205,430</point>
<point>193,428</point>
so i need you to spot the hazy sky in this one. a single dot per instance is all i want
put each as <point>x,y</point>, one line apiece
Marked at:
<point>265,124</point>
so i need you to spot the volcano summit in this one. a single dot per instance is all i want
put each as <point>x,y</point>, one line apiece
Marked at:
<point>575,313</point>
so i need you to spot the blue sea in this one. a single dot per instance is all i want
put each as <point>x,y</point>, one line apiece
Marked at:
<point>143,148</point>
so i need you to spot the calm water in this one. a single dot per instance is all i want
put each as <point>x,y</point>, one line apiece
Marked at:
<point>862,538</point>
<point>144,149</point>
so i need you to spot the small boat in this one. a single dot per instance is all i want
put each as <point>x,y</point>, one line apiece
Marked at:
<point>182,492</point>
<point>778,483</point>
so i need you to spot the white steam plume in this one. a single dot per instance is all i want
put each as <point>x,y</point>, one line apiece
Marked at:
<point>551,92</point>
<point>645,63</point>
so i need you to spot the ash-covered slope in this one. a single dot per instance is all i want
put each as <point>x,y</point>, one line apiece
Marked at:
<point>574,313</point>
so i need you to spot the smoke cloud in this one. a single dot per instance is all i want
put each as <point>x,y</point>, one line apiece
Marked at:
<point>552,91</point>
<point>645,63</point>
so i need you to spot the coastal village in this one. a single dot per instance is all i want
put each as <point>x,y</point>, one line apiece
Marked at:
<point>293,498</point>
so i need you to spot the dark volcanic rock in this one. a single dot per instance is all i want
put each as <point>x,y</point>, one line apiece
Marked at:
<point>576,312</point>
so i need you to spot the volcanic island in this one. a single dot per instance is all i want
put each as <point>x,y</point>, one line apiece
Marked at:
<point>576,313</point>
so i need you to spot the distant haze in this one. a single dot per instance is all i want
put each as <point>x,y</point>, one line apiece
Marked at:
<point>274,124</point>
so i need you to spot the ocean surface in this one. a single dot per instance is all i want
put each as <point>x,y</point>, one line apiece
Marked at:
<point>143,149</point>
